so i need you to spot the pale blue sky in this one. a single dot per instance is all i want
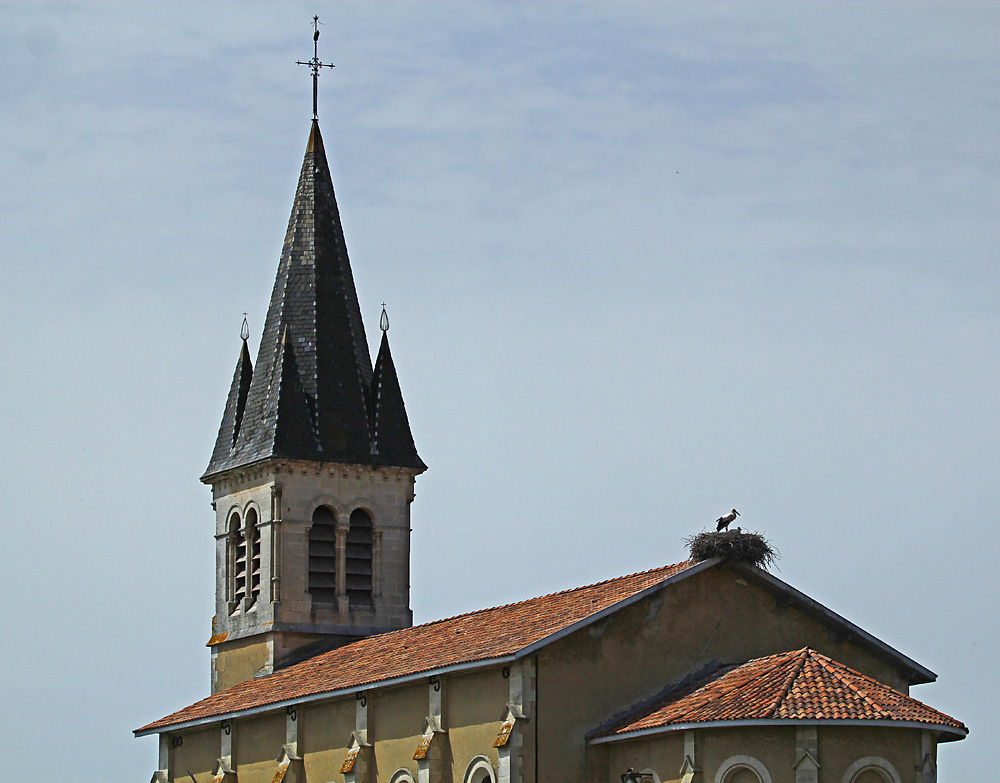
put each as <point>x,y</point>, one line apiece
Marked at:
<point>643,262</point>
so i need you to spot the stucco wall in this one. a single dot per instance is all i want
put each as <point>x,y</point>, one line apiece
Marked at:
<point>841,747</point>
<point>664,754</point>
<point>772,747</point>
<point>256,744</point>
<point>474,710</point>
<point>198,751</point>
<point>395,726</point>
<point>324,733</point>
<point>776,748</point>
<point>239,660</point>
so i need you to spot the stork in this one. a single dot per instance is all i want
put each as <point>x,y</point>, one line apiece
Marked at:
<point>726,520</point>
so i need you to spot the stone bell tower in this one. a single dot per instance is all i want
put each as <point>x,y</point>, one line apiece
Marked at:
<point>313,469</point>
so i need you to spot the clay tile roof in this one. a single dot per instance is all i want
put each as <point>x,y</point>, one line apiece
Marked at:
<point>469,638</point>
<point>798,685</point>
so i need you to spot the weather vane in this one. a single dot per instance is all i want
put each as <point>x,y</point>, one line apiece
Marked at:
<point>315,64</point>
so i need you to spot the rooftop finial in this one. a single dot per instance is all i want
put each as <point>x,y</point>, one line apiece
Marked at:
<point>315,64</point>
<point>383,322</point>
<point>245,329</point>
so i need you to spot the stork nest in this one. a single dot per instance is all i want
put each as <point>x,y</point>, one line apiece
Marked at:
<point>732,546</point>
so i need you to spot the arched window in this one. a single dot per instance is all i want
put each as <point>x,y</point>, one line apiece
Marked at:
<point>236,563</point>
<point>871,769</point>
<point>742,769</point>
<point>480,771</point>
<point>401,776</point>
<point>359,559</point>
<point>253,556</point>
<point>323,556</point>
<point>742,775</point>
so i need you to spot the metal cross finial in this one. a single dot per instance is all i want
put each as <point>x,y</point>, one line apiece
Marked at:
<point>383,322</point>
<point>315,64</point>
<point>245,329</point>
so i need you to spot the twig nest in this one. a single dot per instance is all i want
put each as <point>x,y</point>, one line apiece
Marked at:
<point>733,546</point>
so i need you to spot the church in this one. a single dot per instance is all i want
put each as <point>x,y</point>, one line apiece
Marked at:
<point>710,671</point>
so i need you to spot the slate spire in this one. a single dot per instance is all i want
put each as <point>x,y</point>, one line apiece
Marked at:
<point>310,393</point>
<point>390,426</point>
<point>236,404</point>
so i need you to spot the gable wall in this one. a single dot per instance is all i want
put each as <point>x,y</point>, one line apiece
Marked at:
<point>717,614</point>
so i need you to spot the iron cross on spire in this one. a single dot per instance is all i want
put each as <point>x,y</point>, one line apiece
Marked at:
<point>315,64</point>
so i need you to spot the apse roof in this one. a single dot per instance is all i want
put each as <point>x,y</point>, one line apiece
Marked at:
<point>797,687</point>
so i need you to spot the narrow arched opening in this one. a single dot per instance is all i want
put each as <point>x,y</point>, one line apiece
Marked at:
<point>323,556</point>
<point>236,561</point>
<point>253,557</point>
<point>358,563</point>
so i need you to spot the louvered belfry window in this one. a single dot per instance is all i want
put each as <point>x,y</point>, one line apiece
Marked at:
<point>359,559</point>
<point>252,535</point>
<point>237,564</point>
<point>323,556</point>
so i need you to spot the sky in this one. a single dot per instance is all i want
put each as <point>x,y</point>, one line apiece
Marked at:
<point>643,262</point>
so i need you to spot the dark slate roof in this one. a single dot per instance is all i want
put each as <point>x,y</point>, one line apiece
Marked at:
<point>390,427</point>
<point>310,396</point>
<point>236,403</point>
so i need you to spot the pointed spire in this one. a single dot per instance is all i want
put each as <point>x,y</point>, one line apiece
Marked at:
<point>314,322</point>
<point>393,442</point>
<point>236,403</point>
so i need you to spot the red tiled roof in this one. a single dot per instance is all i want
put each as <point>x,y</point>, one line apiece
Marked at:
<point>467,638</point>
<point>799,685</point>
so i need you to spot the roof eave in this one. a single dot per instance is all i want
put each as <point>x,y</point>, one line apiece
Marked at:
<point>948,733</point>
<point>215,476</point>
<point>153,728</point>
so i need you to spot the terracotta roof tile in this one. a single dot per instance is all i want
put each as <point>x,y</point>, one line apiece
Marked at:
<point>467,638</point>
<point>798,685</point>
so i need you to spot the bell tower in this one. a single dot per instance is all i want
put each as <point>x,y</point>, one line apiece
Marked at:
<point>313,469</point>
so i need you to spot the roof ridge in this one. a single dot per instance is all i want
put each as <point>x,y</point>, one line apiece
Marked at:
<point>802,654</point>
<point>547,595</point>
<point>826,662</point>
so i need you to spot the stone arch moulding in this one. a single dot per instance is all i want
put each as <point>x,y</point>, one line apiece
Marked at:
<point>338,508</point>
<point>365,504</point>
<point>252,505</point>
<point>872,762</point>
<point>746,762</point>
<point>401,776</point>
<point>480,771</point>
